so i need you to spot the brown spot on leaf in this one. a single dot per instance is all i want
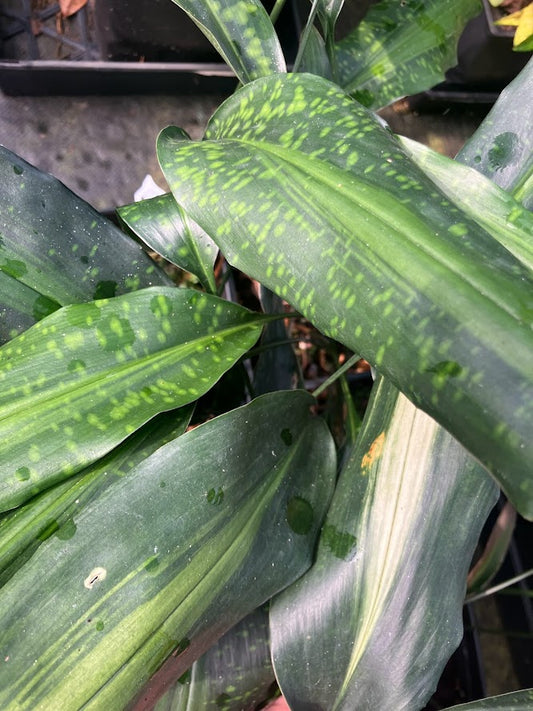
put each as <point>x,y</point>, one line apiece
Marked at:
<point>374,452</point>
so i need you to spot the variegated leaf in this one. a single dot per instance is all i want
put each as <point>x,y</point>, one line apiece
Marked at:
<point>305,191</point>
<point>401,48</point>
<point>167,559</point>
<point>373,623</point>
<point>242,32</point>
<point>91,374</point>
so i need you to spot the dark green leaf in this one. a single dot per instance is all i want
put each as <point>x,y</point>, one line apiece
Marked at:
<point>330,10</point>
<point>167,560</point>
<point>55,249</point>
<point>52,513</point>
<point>401,48</point>
<point>277,367</point>
<point>234,675</point>
<point>242,32</point>
<point>515,701</point>
<point>314,57</point>
<point>162,225</point>
<point>20,306</point>
<point>91,374</point>
<point>305,191</point>
<point>494,552</point>
<point>493,208</point>
<point>368,627</point>
<point>323,52</point>
<point>502,147</point>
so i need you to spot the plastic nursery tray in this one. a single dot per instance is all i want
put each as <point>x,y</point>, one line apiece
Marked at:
<point>114,46</point>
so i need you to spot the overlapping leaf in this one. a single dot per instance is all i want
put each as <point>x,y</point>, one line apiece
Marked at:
<point>162,225</point>
<point>234,675</point>
<point>51,513</point>
<point>330,10</point>
<point>368,627</point>
<point>493,208</point>
<point>55,249</point>
<point>305,191</point>
<point>401,48</point>
<point>242,32</point>
<point>168,559</point>
<point>502,147</point>
<point>314,57</point>
<point>515,701</point>
<point>91,374</point>
<point>276,367</point>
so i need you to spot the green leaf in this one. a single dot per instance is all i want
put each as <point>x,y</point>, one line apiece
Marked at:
<point>277,367</point>
<point>91,374</point>
<point>494,552</point>
<point>490,206</point>
<point>314,56</point>
<point>167,560</point>
<point>330,10</point>
<point>328,13</point>
<point>305,191</point>
<point>235,674</point>
<point>401,48</point>
<point>51,513</point>
<point>55,249</point>
<point>502,147</point>
<point>242,32</point>
<point>162,225</point>
<point>515,701</point>
<point>401,529</point>
<point>20,306</point>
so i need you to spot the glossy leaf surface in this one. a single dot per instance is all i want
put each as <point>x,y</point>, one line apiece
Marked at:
<point>314,56</point>
<point>401,48</point>
<point>368,627</point>
<point>493,208</point>
<point>330,9</point>
<point>91,374</point>
<point>52,513</point>
<point>90,619</point>
<point>242,32</point>
<point>515,701</point>
<point>305,191</point>
<point>496,548</point>
<point>55,249</point>
<point>235,674</point>
<point>162,225</point>
<point>277,367</point>
<point>502,147</point>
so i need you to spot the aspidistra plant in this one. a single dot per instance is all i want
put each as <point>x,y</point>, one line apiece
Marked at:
<point>373,240</point>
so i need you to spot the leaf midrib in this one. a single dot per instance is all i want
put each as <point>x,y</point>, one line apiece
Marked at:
<point>43,399</point>
<point>385,217</point>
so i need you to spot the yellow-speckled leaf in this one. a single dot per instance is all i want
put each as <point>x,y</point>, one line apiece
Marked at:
<point>493,208</point>
<point>373,623</point>
<point>242,32</point>
<point>304,190</point>
<point>402,48</point>
<point>91,374</point>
